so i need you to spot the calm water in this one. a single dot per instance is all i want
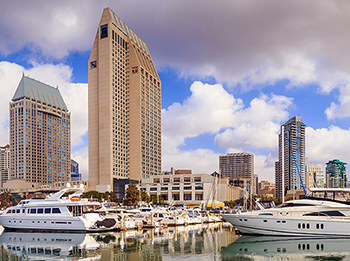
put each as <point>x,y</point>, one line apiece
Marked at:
<point>200,242</point>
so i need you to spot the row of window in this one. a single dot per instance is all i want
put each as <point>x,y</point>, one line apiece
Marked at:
<point>35,211</point>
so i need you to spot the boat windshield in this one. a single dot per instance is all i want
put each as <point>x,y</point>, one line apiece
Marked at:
<point>292,204</point>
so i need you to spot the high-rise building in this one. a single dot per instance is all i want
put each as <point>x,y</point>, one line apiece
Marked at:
<point>290,167</point>
<point>315,176</point>
<point>124,108</point>
<point>238,165</point>
<point>39,134</point>
<point>4,164</point>
<point>336,174</point>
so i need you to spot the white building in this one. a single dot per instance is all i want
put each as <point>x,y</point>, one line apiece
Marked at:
<point>190,189</point>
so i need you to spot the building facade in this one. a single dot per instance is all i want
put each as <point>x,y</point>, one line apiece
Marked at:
<point>124,107</point>
<point>336,174</point>
<point>4,164</point>
<point>74,170</point>
<point>39,134</point>
<point>238,165</point>
<point>315,176</point>
<point>190,189</point>
<point>290,168</point>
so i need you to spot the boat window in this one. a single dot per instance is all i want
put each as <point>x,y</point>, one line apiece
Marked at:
<point>47,210</point>
<point>40,210</point>
<point>33,211</point>
<point>291,204</point>
<point>18,211</point>
<point>8,211</point>
<point>266,214</point>
<point>13,211</point>
<point>326,213</point>
<point>56,210</point>
<point>23,211</point>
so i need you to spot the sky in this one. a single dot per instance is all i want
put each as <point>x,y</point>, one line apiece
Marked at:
<point>232,72</point>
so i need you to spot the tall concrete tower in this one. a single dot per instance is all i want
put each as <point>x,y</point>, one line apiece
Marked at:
<point>124,108</point>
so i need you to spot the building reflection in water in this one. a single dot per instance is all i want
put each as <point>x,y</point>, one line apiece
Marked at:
<point>153,244</point>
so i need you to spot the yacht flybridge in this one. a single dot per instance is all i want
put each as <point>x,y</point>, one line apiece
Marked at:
<point>324,212</point>
<point>56,213</point>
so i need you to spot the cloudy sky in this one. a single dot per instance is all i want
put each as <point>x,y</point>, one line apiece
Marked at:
<point>232,72</point>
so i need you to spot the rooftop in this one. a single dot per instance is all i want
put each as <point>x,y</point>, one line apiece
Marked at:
<point>40,92</point>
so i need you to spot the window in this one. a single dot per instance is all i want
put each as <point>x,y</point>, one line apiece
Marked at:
<point>199,196</point>
<point>104,31</point>
<point>134,69</point>
<point>40,210</point>
<point>56,210</point>
<point>176,197</point>
<point>187,196</point>
<point>93,65</point>
<point>32,211</point>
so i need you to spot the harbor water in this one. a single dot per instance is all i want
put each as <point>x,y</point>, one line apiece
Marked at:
<point>196,242</point>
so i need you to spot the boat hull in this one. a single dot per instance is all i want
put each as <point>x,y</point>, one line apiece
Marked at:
<point>289,225</point>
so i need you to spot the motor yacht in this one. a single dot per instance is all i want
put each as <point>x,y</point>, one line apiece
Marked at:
<point>325,212</point>
<point>56,213</point>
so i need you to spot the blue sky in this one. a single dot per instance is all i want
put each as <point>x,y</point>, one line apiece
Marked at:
<point>232,72</point>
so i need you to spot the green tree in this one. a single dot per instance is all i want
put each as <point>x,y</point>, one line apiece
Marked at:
<point>145,197</point>
<point>112,197</point>
<point>95,195</point>
<point>155,199</point>
<point>132,195</point>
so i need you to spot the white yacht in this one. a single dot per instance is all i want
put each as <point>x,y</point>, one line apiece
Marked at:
<point>56,213</point>
<point>313,215</point>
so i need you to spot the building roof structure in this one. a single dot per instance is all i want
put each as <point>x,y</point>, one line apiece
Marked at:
<point>38,91</point>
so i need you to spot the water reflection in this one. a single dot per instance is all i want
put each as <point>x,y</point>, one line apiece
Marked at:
<point>284,248</point>
<point>191,242</point>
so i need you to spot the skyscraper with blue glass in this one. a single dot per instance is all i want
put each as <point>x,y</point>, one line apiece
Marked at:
<point>290,167</point>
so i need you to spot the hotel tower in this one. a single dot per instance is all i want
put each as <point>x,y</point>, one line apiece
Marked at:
<point>124,108</point>
<point>39,135</point>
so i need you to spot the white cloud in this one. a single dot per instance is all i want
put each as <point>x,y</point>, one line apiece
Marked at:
<point>81,156</point>
<point>264,166</point>
<point>199,160</point>
<point>327,144</point>
<point>209,109</point>
<point>256,126</point>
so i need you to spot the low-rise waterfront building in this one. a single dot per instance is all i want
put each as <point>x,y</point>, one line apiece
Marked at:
<point>190,189</point>
<point>267,189</point>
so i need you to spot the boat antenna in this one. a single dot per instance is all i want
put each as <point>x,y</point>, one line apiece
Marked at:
<point>301,180</point>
